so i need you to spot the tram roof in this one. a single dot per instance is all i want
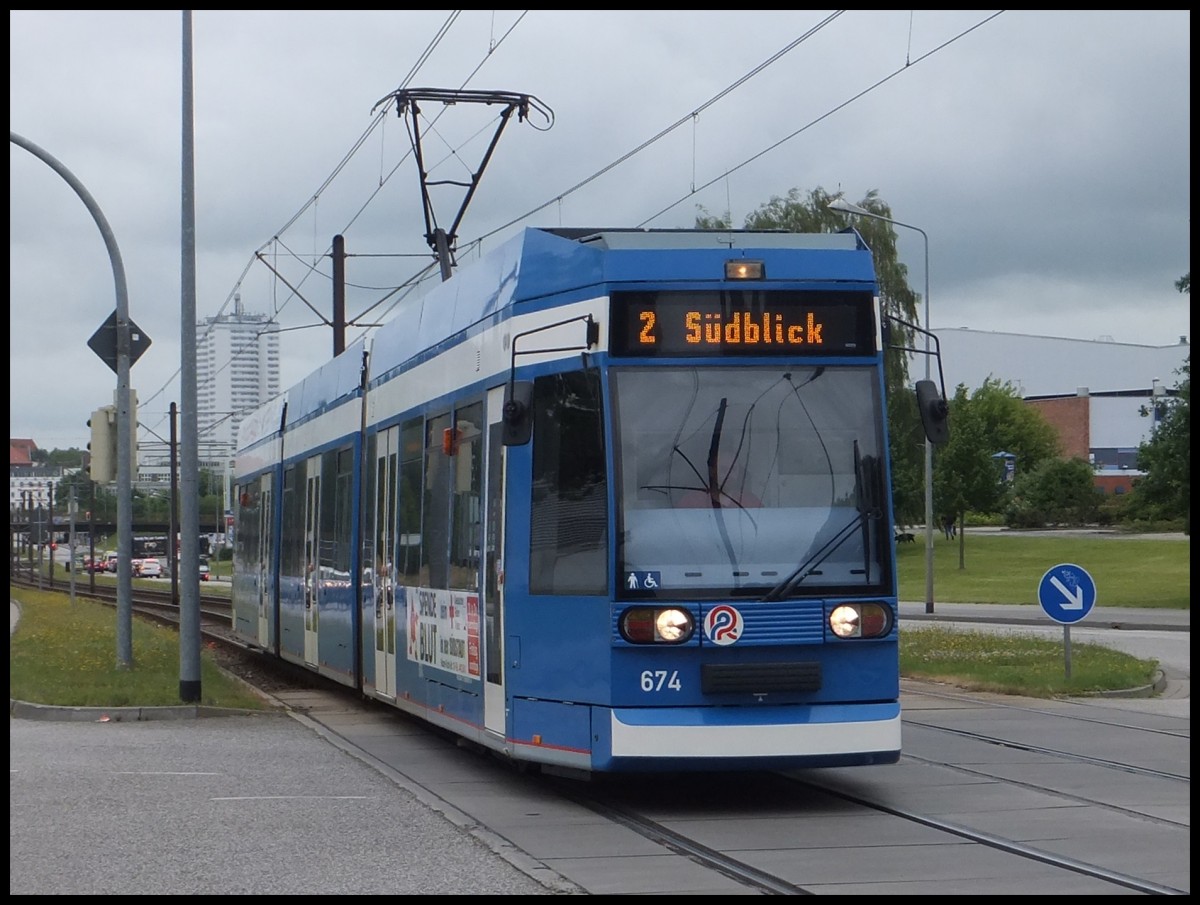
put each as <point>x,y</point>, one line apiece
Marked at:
<point>539,262</point>
<point>635,238</point>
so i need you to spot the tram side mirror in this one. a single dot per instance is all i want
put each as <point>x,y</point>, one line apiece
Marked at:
<point>935,412</point>
<point>518,413</point>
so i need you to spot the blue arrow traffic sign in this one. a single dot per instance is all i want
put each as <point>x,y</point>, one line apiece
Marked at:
<point>1067,593</point>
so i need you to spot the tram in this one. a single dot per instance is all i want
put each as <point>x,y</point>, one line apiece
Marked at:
<point>602,501</point>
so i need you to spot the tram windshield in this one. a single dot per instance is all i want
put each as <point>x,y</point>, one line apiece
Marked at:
<point>752,481</point>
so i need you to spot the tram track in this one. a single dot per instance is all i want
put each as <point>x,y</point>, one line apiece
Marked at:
<point>747,864</point>
<point>966,808</point>
<point>216,611</point>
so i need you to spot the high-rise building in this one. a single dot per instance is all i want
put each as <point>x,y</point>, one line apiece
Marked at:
<point>237,370</point>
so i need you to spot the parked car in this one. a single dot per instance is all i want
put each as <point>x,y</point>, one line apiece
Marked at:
<point>205,573</point>
<point>149,568</point>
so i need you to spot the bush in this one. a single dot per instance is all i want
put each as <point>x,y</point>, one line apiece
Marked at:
<point>1057,492</point>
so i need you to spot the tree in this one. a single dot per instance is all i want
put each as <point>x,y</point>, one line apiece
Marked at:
<point>65,458</point>
<point>1056,492</point>
<point>965,477</point>
<point>809,213</point>
<point>1165,490</point>
<point>991,419</point>
<point>1012,426</point>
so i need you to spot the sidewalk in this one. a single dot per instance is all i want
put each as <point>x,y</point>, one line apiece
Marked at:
<point>1116,617</point>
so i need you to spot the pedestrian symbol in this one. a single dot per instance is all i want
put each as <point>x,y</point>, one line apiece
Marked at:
<point>648,581</point>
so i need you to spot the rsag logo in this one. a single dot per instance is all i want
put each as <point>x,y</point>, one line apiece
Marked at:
<point>723,625</point>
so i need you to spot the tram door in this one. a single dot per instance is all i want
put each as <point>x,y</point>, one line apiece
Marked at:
<point>312,522</point>
<point>266,575</point>
<point>384,567</point>
<point>493,570</point>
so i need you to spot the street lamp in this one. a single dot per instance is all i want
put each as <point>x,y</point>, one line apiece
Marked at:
<point>846,207</point>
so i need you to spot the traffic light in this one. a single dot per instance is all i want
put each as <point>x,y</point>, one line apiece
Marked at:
<point>103,445</point>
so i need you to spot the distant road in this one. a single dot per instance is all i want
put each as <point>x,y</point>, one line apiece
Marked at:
<point>1071,532</point>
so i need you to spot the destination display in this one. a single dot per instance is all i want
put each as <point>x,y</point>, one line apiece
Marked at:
<point>743,322</point>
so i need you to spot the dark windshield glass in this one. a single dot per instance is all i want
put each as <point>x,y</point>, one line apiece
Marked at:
<point>730,478</point>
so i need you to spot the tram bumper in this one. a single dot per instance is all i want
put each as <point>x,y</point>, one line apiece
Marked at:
<point>736,738</point>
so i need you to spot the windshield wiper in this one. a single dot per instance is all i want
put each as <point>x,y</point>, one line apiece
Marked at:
<point>714,447</point>
<point>809,566</point>
<point>711,485</point>
<point>868,493</point>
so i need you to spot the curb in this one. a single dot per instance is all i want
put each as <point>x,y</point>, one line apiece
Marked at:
<point>24,710</point>
<point>1157,686</point>
<point>1041,622</point>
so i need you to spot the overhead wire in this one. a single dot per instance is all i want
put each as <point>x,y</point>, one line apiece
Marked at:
<point>443,30</point>
<point>887,78</point>
<point>671,128</point>
<point>411,282</point>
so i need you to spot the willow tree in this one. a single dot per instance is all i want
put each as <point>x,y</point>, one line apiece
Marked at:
<point>809,213</point>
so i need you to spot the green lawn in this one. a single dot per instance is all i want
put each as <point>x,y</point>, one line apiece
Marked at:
<point>65,654</point>
<point>1130,572</point>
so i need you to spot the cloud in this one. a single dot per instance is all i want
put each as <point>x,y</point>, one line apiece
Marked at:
<point>1046,155</point>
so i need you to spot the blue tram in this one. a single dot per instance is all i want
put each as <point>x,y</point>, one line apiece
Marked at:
<point>603,501</point>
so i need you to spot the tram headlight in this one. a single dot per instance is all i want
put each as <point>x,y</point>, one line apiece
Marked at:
<point>861,620</point>
<point>656,625</point>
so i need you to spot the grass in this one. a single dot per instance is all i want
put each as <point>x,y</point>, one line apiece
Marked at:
<point>1015,664</point>
<point>1128,572</point>
<point>67,656</point>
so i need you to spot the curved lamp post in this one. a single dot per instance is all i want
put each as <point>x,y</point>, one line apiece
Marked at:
<point>846,207</point>
<point>126,425</point>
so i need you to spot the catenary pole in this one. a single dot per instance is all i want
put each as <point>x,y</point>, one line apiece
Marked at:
<point>189,460</point>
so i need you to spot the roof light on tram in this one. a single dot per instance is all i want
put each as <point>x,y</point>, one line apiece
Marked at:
<point>745,270</point>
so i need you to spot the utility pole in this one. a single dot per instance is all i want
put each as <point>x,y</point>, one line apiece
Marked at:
<point>189,552</point>
<point>71,542</point>
<point>92,543</point>
<point>339,295</point>
<point>50,520</point>
<point>173,531</point>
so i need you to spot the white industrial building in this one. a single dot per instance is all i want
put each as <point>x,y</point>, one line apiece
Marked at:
<point>1092,391</point>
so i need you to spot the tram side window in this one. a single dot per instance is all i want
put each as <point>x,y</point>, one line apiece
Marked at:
<point>246,539</point>
<point>292,541</point>
<point>466,489</point>
<point>336,476</point>
<point>435,527</point>
<point>408,526</point>
<point>569,525</point>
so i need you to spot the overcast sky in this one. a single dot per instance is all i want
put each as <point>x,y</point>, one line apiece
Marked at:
<point>1045,154</point>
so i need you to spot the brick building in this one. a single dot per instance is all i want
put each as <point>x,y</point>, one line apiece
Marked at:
<point>1093,392</point>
